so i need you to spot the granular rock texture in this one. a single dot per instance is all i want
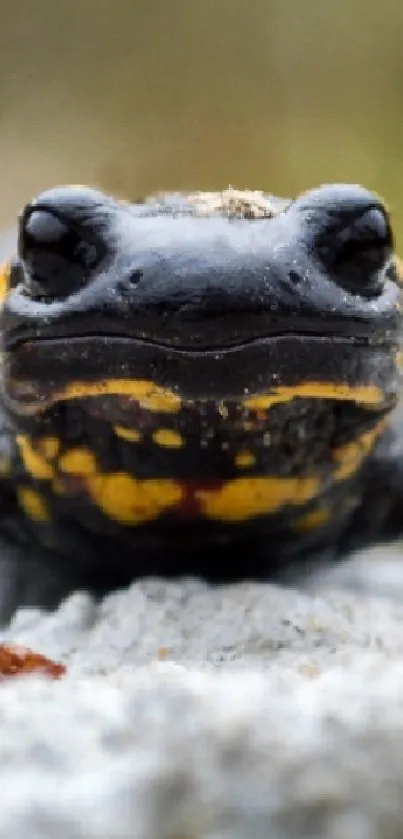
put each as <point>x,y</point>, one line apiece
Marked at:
<point>191,712</point>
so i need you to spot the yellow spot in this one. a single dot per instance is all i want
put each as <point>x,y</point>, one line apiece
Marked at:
<point>36,465</point>
<point>361,394</point>
<point>313,520</point>
<point>244,459</point>
<point>350,456</point>
<point>243,498</point>
<point>161,400</point>
<point>129,501</point>
<point>120,496</point>
<point>4,280</point>
<point>33,504</point>
<point>131,434</point>
<point>49,447</point>
<point>168,438</point>
<point>78,462</point>
<point>150,395</point>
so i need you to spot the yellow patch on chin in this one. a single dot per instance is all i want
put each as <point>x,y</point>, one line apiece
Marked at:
<point>49,447</point>
<point>78,462</point>
<point>168,438</point>
<point>244,498</point>
<point>244,459</point>
<point>35,465</point>
<point>313,520</point>
<point>132,435</point>
<point>129,501</point>
<point>33,504</point>
<point>120,496</point>
<point>350,456</point>
<point>147,393</point>
<point>361,394</point>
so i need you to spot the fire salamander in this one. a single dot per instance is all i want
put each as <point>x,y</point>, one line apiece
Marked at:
<point>198,384</point>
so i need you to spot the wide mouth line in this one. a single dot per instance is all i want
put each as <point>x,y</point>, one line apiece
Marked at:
<point>353,340</point>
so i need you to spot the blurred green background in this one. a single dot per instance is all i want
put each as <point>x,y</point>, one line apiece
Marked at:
<point>144,95</point>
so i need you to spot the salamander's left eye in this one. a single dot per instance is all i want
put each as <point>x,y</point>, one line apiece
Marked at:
<point>57,256</point>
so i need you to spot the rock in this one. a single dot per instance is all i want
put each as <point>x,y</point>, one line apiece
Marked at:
<point>191,712</point>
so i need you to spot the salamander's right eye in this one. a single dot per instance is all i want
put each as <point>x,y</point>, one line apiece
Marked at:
<point>351,234</point>
<point>57,256</point>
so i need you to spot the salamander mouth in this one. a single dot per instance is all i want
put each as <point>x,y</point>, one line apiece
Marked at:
<point>42,371</point>
<point>13,344</point>
<point>351,332</point>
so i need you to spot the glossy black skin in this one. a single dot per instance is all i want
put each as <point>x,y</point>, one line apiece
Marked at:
<point>209,306</point>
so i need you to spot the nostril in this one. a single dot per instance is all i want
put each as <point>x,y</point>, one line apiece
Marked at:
<point>294,277</point>
<point>124,286</point>
<point>135,277</point>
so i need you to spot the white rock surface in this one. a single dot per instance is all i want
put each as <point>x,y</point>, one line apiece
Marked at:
<point>196,713</point>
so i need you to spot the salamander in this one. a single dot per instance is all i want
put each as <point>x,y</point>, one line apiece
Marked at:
<point>201,384</point>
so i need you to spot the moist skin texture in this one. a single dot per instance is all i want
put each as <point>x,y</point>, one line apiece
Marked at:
<point>196,384</point>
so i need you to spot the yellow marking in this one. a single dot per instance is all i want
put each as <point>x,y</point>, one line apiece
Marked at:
<point>350,456</point>
<point>244,459</point>
<point>399,360</point>
<point>162,401</point>
<point>361,394</point>
<point>313,520</point>
<point>150,395</point>
<point>49,447</point>
<point>168,438</point>
<point>131,434</point>
<point>243,498</point>
<point>120,496</point>
<point>36,465</point>
<point>128,501</point>
<point>33,504</point>
<point>4,280</point>
<point>78,462</point>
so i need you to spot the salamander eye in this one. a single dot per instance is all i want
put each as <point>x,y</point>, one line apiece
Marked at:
<point>57,257</point>
<point>352,237</point>
<point>360,251</point>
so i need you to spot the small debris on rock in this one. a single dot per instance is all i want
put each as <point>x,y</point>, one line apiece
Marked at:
<point>16,660</point>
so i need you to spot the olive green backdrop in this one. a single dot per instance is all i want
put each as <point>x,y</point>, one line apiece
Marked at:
<point>141,95</point>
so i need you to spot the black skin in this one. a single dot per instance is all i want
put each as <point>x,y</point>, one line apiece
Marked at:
<point>215,301</point>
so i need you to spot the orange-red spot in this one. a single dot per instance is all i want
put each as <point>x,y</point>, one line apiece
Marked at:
<point>16,660</point>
